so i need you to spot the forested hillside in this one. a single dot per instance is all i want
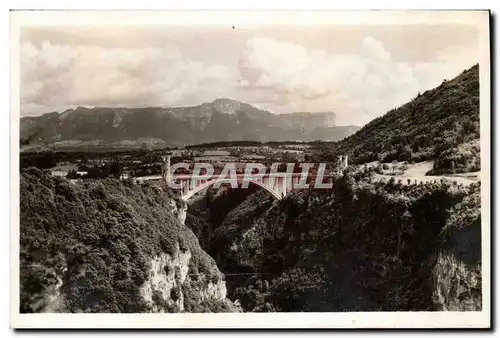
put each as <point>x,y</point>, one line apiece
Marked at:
<point>108,246</point>
<point>440,124</point>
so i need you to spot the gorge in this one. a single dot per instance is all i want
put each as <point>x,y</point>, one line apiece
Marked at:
<point>369,246</point>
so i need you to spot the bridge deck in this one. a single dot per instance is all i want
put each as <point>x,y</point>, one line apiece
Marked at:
<point>238,176</point>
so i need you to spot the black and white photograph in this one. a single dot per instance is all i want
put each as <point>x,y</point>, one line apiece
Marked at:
<point>251,169</point>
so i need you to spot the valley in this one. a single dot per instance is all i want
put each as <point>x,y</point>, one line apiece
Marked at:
<point>399,229</point>
<point>335,251</point>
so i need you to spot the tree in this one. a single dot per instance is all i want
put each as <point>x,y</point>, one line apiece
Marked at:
<point>72,175</point>
<point>115,169</point>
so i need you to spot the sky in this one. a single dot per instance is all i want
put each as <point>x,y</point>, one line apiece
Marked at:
<point>358,72</point>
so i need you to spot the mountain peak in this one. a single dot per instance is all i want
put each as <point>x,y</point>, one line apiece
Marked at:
<point>225,100</point>
<point>226,106</point>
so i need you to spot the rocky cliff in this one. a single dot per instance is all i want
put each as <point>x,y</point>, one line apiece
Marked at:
<point>170,288</point>
<point>108,246</point>
<point>457,273</point>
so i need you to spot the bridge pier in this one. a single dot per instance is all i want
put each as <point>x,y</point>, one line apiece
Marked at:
<point>342,163</point>
<point>167,174</point>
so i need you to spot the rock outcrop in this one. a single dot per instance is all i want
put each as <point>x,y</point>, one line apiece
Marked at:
<point>170,276</point>
<point>457,273</point>
<point>111,246</point>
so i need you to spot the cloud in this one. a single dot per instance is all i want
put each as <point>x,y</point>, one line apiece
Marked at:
<point>357,86</point>
<point>54,75</point>
<point>271,73</point>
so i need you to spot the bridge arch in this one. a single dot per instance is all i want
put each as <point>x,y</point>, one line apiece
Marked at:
<point>211,182</point>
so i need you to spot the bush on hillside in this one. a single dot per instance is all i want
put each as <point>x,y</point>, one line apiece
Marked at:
<point>461,159</point>
<point>96,239</point>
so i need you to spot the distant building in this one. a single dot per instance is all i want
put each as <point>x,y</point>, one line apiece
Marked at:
<point>216,153</point>
<point>297,155</point>
<point>58,173</point>
<point>296,146</point>
<point>215,157</point>
<point>179,152</point>
<point>301,157</point>
<point>252,157</point>
<point>62,169</point>
<point>293,151</point>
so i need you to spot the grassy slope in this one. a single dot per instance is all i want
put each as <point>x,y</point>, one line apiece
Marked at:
<point>100,237</point>
<point>431,126</point>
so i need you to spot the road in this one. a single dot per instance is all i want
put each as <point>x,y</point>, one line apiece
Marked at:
<point>416,172</point>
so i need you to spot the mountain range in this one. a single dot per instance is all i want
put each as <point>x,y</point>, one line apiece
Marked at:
<point>154,127</point>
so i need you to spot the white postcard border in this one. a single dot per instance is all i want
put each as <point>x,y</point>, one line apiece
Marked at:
<point>253,19</point>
